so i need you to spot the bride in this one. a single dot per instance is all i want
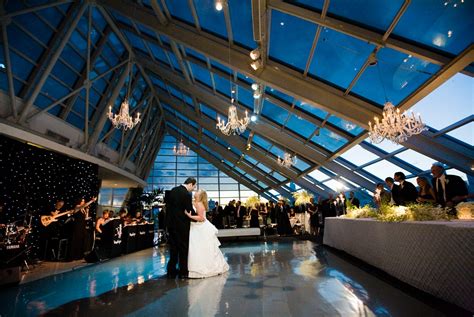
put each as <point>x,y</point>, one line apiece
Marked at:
<point>204,256</point>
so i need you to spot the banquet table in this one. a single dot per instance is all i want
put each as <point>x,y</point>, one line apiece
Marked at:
<point>434,256</point>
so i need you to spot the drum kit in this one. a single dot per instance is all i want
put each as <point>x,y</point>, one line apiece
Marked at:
<point>15,233</point>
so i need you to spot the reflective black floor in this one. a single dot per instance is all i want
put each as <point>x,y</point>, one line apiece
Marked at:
<point>285,278</point>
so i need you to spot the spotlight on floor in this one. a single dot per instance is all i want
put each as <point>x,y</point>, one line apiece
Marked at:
<point>253,118</point>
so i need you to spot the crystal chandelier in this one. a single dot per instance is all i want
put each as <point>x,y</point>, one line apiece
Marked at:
<point>182,149</point>
<point>394,126</point>
<point>123,118</point>
<point>287,161</point>
<point>234,125</point>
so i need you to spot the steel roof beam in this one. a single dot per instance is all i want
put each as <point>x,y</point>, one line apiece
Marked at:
<point>38,84</point>
<point>218,164</point>
<point>241,145</point>
<point>361,33</point>
<point>226,154</point>
<point>305,89</point>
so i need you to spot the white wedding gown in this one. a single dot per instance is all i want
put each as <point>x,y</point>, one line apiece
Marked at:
<point>204,256</point>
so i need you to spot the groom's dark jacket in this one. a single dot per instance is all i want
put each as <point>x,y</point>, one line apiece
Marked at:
<point>179,200</point>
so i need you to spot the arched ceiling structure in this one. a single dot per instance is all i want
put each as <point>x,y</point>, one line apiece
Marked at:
<point>65,62</point>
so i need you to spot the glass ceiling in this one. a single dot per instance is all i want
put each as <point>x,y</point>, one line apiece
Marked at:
<point>192,87</point>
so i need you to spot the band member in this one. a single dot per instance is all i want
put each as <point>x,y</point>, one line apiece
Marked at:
<point>102,221</point>
<point>58,207</point>
<point>79,234</point>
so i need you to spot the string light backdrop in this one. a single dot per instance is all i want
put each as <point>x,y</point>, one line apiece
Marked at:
<point>32,179</point>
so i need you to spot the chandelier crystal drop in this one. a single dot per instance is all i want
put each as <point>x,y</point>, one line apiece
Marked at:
<point>123,118</point>
<point>182,149</point>
<point>395,126</point>
<point>234,125</point>
<point>287,161</point>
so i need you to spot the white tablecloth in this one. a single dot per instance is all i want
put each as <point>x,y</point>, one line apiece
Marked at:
<point>434,256</point>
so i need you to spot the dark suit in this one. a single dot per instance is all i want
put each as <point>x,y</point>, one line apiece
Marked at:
<point>239,215</point>
<point>355,202</point>
<point>178,224</point>
<point>395,191</point>
<point>454,186</point>
<point>407,194</point>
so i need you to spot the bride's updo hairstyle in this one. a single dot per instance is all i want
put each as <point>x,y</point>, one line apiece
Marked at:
<point>202,197</point>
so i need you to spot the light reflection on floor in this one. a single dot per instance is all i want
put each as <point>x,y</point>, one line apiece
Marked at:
<point>289,278</point>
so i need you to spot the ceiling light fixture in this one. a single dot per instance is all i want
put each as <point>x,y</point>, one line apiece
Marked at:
<point>394,126</point>
<point>181,150</point>
<point>219,5</point>
<point>255,54</point>
<point>123,118</point>
<point>257,90</point>
<point>287,161</point>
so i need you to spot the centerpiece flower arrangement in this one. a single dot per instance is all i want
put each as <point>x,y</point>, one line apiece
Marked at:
<point>252,201</point>
<point>465,210</point>
<point>302,197</point>
<point>412,212</point>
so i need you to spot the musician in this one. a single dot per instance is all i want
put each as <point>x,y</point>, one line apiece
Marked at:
<point>139,217</point>
<point>58,207</point>
<point>79,233</point>
<point>102,221</point>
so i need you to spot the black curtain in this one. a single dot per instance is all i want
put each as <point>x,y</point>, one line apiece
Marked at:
<point>33,178</point>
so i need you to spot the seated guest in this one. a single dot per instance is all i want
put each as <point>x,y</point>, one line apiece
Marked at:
<point>102,221</point>
<point>381,196</point>
<point>449,189</point>
<point>407,191</point>
<point>426,193</point>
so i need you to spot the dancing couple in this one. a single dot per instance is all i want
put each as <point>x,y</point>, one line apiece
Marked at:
<point>193,242</point>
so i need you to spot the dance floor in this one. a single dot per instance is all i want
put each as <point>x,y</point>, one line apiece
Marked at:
<point>279,278</point>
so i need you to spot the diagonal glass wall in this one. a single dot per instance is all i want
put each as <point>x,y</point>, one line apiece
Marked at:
<point>170,170</point>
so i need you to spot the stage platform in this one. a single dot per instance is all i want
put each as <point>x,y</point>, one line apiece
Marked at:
<point>434,256</point>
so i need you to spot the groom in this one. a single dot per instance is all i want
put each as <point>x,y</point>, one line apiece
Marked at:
<point>178,223</point>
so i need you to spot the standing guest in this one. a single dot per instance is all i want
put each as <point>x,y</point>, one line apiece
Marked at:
<point>381,196</point>
<point>271,211</point>
<point>340,204</point>
<point>218,216</point>
<point>254,216</point>
<point>311,217</point>
<point>239,214</point>
<point>449,189</point>
<point>229,211</point>
<point>408,192</point>
<point>354,201</point>
<point>264,213</point>
<point>284,227</point>
<point>394,191</point>
<point>426,193</point>
<point>178,224</point>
